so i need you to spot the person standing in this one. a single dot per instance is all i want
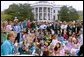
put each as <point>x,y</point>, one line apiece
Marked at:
<point>9,26</point>
<point>17,29</point>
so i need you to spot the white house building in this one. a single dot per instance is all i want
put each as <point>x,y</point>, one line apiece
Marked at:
<point>45,11</point>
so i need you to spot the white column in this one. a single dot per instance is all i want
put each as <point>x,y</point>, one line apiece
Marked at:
<point>56,15</point>
<point>38,13</point>
<point>42,13</point>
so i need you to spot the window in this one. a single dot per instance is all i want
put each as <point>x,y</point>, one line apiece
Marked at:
<point>44,16</point>
<point>54,11</point>
<point>36,16</point>
<point>49,16</point>
<point>53,17</point>
<point>44,9</point>
<point>51,10</point>
<point>40,9</point>
<point>40,16</point>
<point>48,9</point>
<point>36,10</point>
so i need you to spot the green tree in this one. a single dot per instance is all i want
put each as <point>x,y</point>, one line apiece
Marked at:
<point>68,14</point>
<point>21,11</point>
<point>73,14</point>
<point>63,13</point>
<point>6,17</point>
<point>80,15</point>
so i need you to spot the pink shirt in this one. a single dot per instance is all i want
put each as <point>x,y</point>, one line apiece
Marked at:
<point>62,52</point>
<point>69,46</point>
<point>8,27</point>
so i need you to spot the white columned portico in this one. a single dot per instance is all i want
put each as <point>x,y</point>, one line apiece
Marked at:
<point>44,11</point>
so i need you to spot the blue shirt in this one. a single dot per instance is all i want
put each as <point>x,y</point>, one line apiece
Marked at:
<point>24,24</point>
<point>60,38</point>
<point>16,28</point>
<point>7,48</point>
<point>33,49</point>
<point>21,26</point>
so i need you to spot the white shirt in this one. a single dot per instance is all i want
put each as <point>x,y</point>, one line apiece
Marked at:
<point>63,26</point>
<point>74,51</point>
<point>43,27</point>
<point>52,32</point>
<point>81,39</point>
<point>54,42</point>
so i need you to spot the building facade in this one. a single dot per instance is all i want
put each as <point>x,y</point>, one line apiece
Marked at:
<point>45,11</point>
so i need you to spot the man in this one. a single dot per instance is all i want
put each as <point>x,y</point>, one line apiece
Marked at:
<point>17,29</point>
<point>7,47</point>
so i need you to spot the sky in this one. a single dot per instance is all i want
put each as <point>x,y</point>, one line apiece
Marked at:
<point>78,5</point>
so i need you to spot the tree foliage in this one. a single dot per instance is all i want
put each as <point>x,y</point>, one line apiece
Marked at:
<point>68,14</point>
<point>21,11</point>
<point>6,17</point>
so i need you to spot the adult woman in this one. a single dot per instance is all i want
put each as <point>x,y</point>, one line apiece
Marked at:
<point>9,26</point>
<point>7,47</point>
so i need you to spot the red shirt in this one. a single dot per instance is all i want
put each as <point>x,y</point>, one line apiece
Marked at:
<point>65,36</point>
<point>29,25</point>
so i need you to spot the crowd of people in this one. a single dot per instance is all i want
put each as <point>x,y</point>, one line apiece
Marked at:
<point>42,38</point>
